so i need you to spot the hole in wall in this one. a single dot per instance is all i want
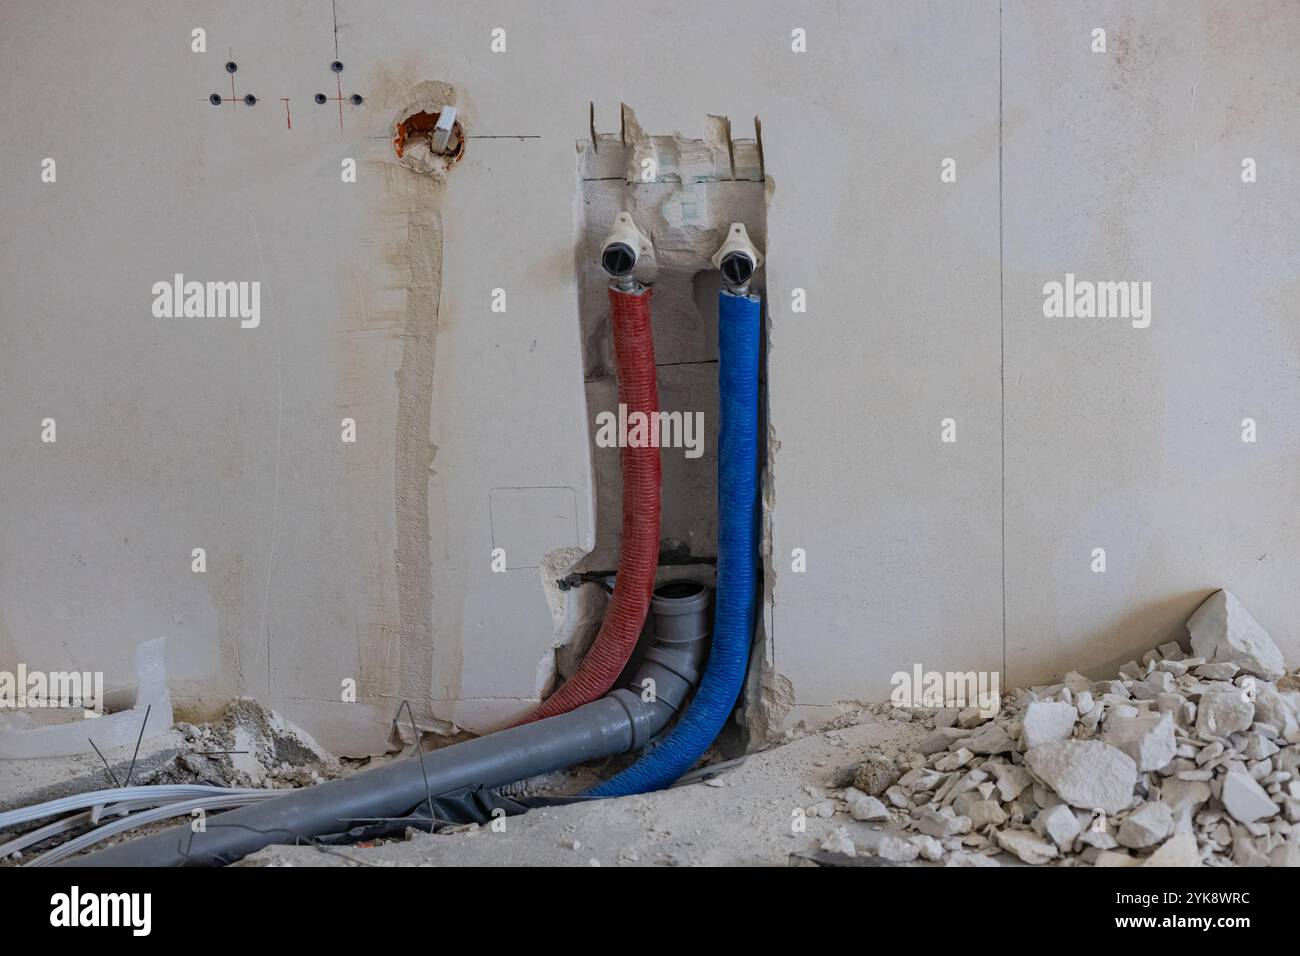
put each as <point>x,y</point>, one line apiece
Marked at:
<point>413,142</point>
<point>418,143</point>
<point>684,217</point>
<point>687,223</point>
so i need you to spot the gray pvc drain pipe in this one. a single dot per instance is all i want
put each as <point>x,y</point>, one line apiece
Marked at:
<point>623,720</point>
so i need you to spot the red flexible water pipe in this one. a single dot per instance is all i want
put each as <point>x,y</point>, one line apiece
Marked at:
<point>634,350</point>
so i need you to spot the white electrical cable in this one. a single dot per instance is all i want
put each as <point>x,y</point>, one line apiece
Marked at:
<point>164,793</point>
<point>45,832</point>
<point>184,807</point>
<point>63,825</point>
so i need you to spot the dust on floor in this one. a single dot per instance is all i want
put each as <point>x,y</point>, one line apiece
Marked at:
<point>1183,759</point>
<point>744,816</point>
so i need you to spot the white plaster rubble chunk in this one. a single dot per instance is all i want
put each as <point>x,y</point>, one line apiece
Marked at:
<point>968,782</point>
<point>990,739</point>
<point>1161,682</point>
<point>945,717</point>
<point>897,850</point>
<point>1223,710</point>
<point>1221,671</point>
<point>1058,824</point>
<point>920,778</point>
<point>1209,752</point>
<point>897,796</point>
<point>1027,846</point>
<point>1245,851</point>
<point>1245,799</point>
<point>1122,710</point>
<point>838,841</point>
<point>1085,773</point>
<point>1183,710</point>
<point>941,823</point>
<point>1279,710</point>
<point>1045,797</point>
<point>1257,746</point>
<point>1089,721</point>
<point>824,809</point>
<point>941,738</point>
<point>984,812</point>
<point>1172,651</point>
<point>1184,794</point>
<point>1148,739</point>
<point>1046,723</point>
<point>1222,629</point>
<point>954,760</point>
<point>929,848</point>
<point>1286,853</point>
<point>962,858</point>
<point>1100,838</point>
<point>1146,826</point>
<point>1108,858</point>
<point>1011,780</point>
<point>1178,850</point>
<point>1076,682</point>
<point>867,807</point>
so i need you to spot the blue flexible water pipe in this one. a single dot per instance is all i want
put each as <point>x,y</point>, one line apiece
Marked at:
<point>733,620</point>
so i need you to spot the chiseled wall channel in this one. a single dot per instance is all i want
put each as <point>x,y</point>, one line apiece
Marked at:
<point>924,302</point>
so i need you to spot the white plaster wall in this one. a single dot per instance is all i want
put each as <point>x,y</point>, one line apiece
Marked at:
<point>1128,166</point>
<point>924,303</point>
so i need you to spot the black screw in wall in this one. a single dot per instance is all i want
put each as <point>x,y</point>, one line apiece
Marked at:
<point>231,67</point>
<point>336,66</point>
<point>215,99</point>
<point>250,99</point>
<point>356,99</point>
<point>320,98</point>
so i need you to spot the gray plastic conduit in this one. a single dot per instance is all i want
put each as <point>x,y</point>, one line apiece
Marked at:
<point>623,720</point>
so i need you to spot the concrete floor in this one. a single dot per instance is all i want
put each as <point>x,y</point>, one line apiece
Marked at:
<point>740,818</point>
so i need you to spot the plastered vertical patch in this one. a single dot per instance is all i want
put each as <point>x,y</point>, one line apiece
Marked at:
<point>416,181</point>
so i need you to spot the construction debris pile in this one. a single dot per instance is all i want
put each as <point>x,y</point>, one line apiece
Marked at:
<point>1184,759</point>
<point>250,746</point>
<point>248,755</point>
